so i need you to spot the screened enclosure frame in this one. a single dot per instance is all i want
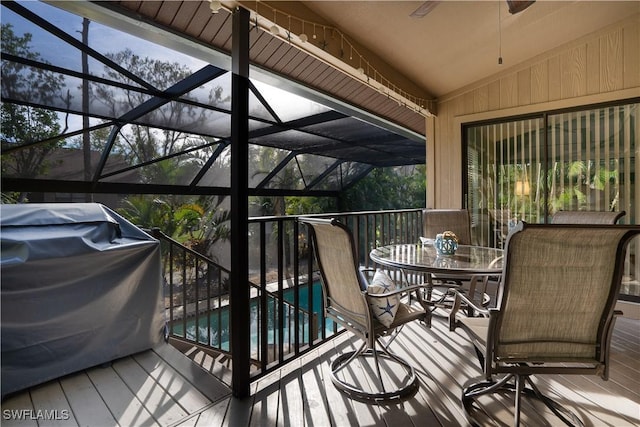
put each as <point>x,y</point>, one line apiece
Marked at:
<point>316,150</point>
<point>527,167</point>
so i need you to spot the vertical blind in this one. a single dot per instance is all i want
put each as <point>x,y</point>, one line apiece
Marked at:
<point>529,168</point>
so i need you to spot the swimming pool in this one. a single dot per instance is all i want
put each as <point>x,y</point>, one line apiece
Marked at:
<point>215,324</point>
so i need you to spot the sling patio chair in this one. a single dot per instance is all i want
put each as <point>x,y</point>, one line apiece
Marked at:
<point>435,221</point>
<point>586,217</point>
<point>555,313</point>
<point>371,311</point>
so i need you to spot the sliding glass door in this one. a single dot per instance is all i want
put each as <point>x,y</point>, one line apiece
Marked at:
<point>528,168</point>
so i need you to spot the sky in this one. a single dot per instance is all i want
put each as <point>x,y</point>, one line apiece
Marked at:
<point>101,38</point>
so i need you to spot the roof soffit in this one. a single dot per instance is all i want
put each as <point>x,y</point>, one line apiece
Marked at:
<point>275,56</point>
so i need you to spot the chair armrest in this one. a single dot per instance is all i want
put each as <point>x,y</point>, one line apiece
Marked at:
<point>459,298</point>
<point>364,280</point>
<point>406,291</point>
<point>399,290</point>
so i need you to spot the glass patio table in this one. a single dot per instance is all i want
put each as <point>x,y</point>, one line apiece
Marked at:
<point>468,260</point>
<point>468,263</point>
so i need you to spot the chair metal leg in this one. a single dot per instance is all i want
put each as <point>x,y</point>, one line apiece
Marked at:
<point>349,356</point>
<point>518,400</point>
<point>519,388</point>
<point>377,363</point>
<point>407,387</point>
<point>568,417</point>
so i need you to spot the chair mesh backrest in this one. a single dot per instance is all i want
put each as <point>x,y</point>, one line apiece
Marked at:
<point>438,220</point>
<point>586,217</point>
<point>339,268</point>
<point>560,285</point>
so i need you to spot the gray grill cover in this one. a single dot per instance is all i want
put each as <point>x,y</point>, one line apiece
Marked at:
<point>81,286</point>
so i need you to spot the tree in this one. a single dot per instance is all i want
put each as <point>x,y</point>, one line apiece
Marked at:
<point>196,222</point>
<point>144,143</point>
<point>203,223</point>
<point>149,212</point>
<point>309,205</point>
<point>387,188</point>
<point>263,161</point>
<point>23,125</point>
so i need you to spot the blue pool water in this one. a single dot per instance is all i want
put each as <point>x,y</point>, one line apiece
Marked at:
<point>219,321</point>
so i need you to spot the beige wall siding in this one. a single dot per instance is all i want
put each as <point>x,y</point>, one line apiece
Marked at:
<point>601,67</point>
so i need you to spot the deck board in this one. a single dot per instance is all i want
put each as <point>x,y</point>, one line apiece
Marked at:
<point>50,397</point>
<point>342,412</point>
<point>122,403</point>
<point>438,353</point>
<point>208,385</point>
<point>238,412</point>
<point>15,405</point>
<point>155,398</point>
<point>265,401</point>
<point>290,397</point>
<point>163,387</point>
<point>189,398</point>
<point>213,416</point>
<point>314,405</point>
<point>85,401</point>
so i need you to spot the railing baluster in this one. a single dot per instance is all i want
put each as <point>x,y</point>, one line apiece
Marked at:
<point>220,330</point>
<point>184,294</point>
<point>262,344</point>
<point>296,289</point>
<point>208,305</point>
<point>196,266</point>
<point>171,296</point>
<point>305,328</point>
<point>279,304</point>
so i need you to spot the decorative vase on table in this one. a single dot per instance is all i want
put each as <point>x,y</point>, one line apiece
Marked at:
<point>446,243</point>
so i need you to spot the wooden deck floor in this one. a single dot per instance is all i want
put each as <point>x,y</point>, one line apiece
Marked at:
<point>162,387</point>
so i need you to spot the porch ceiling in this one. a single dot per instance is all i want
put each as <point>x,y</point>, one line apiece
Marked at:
<point>458,43</point>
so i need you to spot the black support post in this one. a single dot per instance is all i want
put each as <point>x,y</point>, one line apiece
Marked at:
<point>239,292</point>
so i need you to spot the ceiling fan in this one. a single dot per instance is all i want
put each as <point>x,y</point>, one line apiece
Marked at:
<point>515,6</point>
